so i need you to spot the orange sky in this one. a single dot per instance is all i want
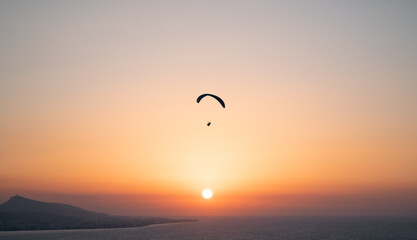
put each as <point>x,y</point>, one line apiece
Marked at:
<point>97,105</point>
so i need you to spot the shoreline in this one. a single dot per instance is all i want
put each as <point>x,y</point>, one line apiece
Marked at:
<point>19,232</point>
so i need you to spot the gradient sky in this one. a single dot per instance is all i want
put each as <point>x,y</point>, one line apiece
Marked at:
<point>97,106</point>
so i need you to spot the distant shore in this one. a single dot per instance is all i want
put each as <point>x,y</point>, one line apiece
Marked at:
<point>19,232</point>
<point>12,222</point>
<point>22,214</point>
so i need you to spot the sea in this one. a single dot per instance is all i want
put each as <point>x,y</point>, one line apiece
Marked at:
<point>285,228</point>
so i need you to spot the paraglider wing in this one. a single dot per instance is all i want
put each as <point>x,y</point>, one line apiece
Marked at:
<point>211,95</point>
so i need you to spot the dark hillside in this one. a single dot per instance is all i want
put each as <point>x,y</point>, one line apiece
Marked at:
<point>20,213</point>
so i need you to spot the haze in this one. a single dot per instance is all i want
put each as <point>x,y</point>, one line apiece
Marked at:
<point>98,110</point>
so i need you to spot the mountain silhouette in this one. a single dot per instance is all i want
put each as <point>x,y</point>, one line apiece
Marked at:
<point>19,213</point>
<point>21,204</point>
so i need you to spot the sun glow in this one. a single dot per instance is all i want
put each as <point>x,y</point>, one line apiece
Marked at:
<point>207,194</point>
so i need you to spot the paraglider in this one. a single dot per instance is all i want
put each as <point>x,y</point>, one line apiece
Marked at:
<point>213,96</point>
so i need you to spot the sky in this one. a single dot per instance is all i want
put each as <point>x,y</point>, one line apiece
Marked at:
<point>98,106</point>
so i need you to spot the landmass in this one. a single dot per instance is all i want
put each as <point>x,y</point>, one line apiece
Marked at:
<point>19,213</point>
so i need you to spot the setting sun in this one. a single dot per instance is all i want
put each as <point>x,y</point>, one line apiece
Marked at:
<point>207,194</point>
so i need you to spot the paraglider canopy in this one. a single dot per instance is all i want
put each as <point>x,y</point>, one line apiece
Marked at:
<point>213,96</point>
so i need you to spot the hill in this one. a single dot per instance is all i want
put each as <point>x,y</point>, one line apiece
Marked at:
<point>20,213</point>
<point>20,204</point>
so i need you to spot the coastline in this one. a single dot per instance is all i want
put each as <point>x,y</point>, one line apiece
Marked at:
<point>23,232</point>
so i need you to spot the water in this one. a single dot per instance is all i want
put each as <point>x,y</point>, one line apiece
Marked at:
<point>288,228</point>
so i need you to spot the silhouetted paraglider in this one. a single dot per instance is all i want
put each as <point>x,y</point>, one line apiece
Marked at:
<point>213,96</point>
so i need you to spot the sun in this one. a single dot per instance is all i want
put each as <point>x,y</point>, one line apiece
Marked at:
<point>207,193</point>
